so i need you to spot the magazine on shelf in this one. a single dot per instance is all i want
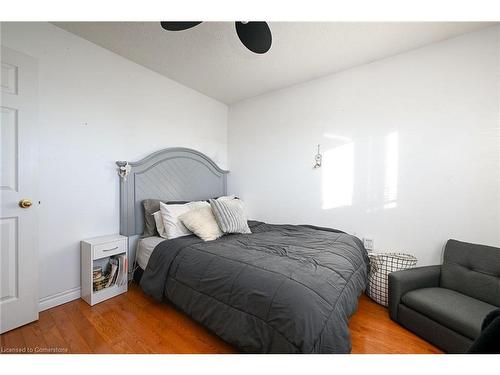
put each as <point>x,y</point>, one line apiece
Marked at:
<point>113,271</point>
<point>121,278</point>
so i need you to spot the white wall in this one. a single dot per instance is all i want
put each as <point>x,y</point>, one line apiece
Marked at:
<point>96,107</point>
<point>411,149</point>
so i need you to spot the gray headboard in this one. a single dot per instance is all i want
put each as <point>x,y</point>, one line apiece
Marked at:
<point>172,174</point>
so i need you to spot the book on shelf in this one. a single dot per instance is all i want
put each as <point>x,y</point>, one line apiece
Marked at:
<point>96,272</point>
<point>99,283</point>
<point>117,273</point>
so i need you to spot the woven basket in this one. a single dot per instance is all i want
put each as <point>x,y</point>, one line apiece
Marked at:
<point>381,265</point>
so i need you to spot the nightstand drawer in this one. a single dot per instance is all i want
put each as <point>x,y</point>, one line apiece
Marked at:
<point>109,248</point>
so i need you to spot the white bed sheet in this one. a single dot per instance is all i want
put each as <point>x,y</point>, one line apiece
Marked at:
<point>145,248</point>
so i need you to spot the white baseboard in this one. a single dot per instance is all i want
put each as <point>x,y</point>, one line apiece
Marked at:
<point>59,298</point>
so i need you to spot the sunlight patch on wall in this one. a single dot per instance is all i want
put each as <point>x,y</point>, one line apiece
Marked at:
<point>338,175</point>
<point>337,137</point>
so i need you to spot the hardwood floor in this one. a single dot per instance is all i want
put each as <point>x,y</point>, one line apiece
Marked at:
<point>135,323</point>
<point>373,332</point>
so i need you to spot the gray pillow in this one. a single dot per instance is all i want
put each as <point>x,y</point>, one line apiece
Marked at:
<point>230,215</point>
<point>150,207</point>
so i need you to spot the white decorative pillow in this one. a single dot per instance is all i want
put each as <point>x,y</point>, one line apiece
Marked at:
<point>226,197</point>
<point>201,221</point>
<point>159,224</point>
<point>170,215</point>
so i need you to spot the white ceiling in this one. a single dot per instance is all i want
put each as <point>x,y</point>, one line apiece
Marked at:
<point>210,59</point>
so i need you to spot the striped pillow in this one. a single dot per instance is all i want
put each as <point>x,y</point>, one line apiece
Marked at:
<point>230,215</point>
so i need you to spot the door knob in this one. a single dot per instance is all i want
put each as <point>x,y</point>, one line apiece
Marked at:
<point>25,203</point>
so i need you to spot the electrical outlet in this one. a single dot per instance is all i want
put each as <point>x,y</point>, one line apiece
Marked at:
<point>368,243</point>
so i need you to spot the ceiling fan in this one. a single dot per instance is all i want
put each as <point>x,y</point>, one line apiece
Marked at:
<point>256,36</point>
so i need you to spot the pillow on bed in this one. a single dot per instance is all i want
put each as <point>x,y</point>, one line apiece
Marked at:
<point>150,207</point>
<point>201,221</point>
<point>230,215</point>
<point>170,215</point>
<point>160,228</point>
<point>153,205</point>
<point>225,198</point>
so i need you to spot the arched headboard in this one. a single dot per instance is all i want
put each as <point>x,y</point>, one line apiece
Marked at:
<point>172,174</point>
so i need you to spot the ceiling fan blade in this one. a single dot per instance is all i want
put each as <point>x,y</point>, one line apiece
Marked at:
<point>256,36</point>
<point>178,26</point>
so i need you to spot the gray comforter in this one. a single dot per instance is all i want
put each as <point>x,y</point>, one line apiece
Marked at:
<point>281,289</point>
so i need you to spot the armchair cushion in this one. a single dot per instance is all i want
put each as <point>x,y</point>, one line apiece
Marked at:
<point>473,270</point>
<point>454,310</point>
<point>401,282</point>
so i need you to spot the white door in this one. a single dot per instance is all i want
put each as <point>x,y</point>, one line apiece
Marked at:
<point>18,161</point>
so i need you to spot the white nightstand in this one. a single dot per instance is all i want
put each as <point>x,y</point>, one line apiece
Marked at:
<point>98,251</point>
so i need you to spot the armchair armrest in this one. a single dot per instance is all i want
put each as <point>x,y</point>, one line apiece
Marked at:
<point>401,282</point>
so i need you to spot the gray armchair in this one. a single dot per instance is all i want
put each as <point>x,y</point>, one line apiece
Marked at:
<point>446,304</point>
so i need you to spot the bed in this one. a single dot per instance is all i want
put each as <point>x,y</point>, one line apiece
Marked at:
<point>281,289</point>
<point>145,248</point>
